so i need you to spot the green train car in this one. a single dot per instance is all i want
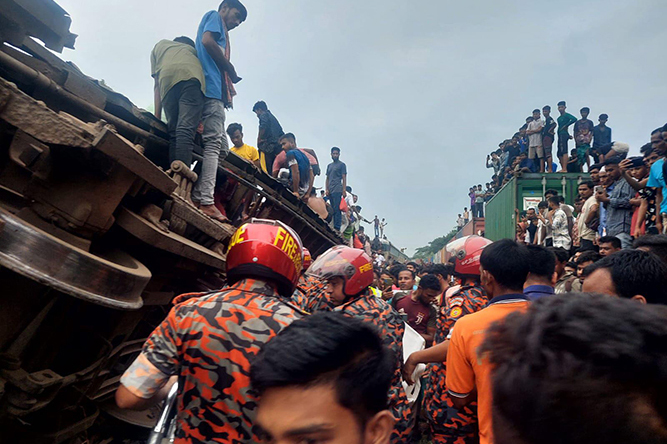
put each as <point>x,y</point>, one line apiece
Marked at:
<point>523,192</point>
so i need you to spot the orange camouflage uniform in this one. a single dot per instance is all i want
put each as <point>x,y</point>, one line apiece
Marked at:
<point>208,341</point>
<point>449,425</point>
<point>391,328</point>
<point>311,295</point>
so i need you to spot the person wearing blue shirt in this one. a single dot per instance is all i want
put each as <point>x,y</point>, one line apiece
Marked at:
<point>656,178</point>
<point>213,51</point>
<point>301,173</point>
<point>542,274</point>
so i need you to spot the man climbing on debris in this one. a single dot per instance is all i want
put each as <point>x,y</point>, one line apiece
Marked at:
<point>213,49</point>
<point>300,172</point>
<point>179,90</point>
<point>239,147</point>
<point>267,138</point>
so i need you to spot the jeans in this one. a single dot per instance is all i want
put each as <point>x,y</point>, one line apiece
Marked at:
<point>479,209</point>
<point>626,240</point>
<point>216,148</point>
<point>335,205</point>
<point>183,107</point>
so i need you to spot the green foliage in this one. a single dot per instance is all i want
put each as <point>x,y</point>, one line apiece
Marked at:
<point>434,246</point>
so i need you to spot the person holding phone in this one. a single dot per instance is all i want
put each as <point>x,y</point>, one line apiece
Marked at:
<point>618,205</point>
<point>635,172</point>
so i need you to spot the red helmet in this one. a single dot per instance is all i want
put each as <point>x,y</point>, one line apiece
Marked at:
<point>353,265</point>
<point>266,249</point>
<point>307,259</point>
<point>467,251</point>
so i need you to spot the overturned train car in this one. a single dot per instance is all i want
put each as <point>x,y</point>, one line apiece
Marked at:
<point>96,234</point>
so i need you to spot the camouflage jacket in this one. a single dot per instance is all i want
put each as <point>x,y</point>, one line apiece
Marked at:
<point>208,341</point>
<point>391,328</point>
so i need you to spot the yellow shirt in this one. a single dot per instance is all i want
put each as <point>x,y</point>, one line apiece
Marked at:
<point>246,152</point>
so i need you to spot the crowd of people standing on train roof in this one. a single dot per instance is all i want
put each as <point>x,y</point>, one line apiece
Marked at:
<point>300,349</point>
<point>624,197</point>
<point>531,149</point>
<point>622,200</point>
<point>195,85</point>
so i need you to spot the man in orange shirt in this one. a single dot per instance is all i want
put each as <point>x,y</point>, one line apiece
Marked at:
<point>503,268</point>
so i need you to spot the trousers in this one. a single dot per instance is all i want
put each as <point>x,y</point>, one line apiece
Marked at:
<point>335,206</point>
<point>626,240</point>
<point>216,148</point>
<point>183,105</point>
<point>479,209</point>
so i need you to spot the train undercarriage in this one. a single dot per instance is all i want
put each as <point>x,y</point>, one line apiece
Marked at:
<point>97,236</point>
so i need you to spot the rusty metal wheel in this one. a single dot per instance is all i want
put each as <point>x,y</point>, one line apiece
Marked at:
<point>113,279</point>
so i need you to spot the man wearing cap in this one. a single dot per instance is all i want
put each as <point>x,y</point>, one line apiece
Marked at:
<point>564,122</point>
<point>583,135</point>
<point>601,137</point>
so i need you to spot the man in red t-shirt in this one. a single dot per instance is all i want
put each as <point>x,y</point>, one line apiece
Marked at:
<point>417,307</point>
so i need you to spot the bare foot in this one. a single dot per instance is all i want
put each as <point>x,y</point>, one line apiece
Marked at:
<point>212,212</point>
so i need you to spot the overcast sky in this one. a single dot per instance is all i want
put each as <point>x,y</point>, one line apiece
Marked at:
<point>415,93</point>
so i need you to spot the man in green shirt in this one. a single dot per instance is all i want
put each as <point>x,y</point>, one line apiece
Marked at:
<point>179,89</point>
<point>564,122</point>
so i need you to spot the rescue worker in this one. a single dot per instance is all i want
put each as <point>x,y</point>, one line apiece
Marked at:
<point>349,273</point>
<point>208,340</point>
<point>310,293</point>
<point>299,297</point>
<point>447,424</point>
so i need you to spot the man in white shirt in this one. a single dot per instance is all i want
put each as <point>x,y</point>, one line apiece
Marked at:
<point>379,260</point>
<point>349,198</point>
<point>588,213</point>
<point>557,220</point>
<point>534,132</point>
<point>543,236</point>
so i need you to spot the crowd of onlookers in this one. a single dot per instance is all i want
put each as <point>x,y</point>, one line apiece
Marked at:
<point>611,240</point>
<point>531,148</point>
<point>623,199</point>
<point>434,300</point>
